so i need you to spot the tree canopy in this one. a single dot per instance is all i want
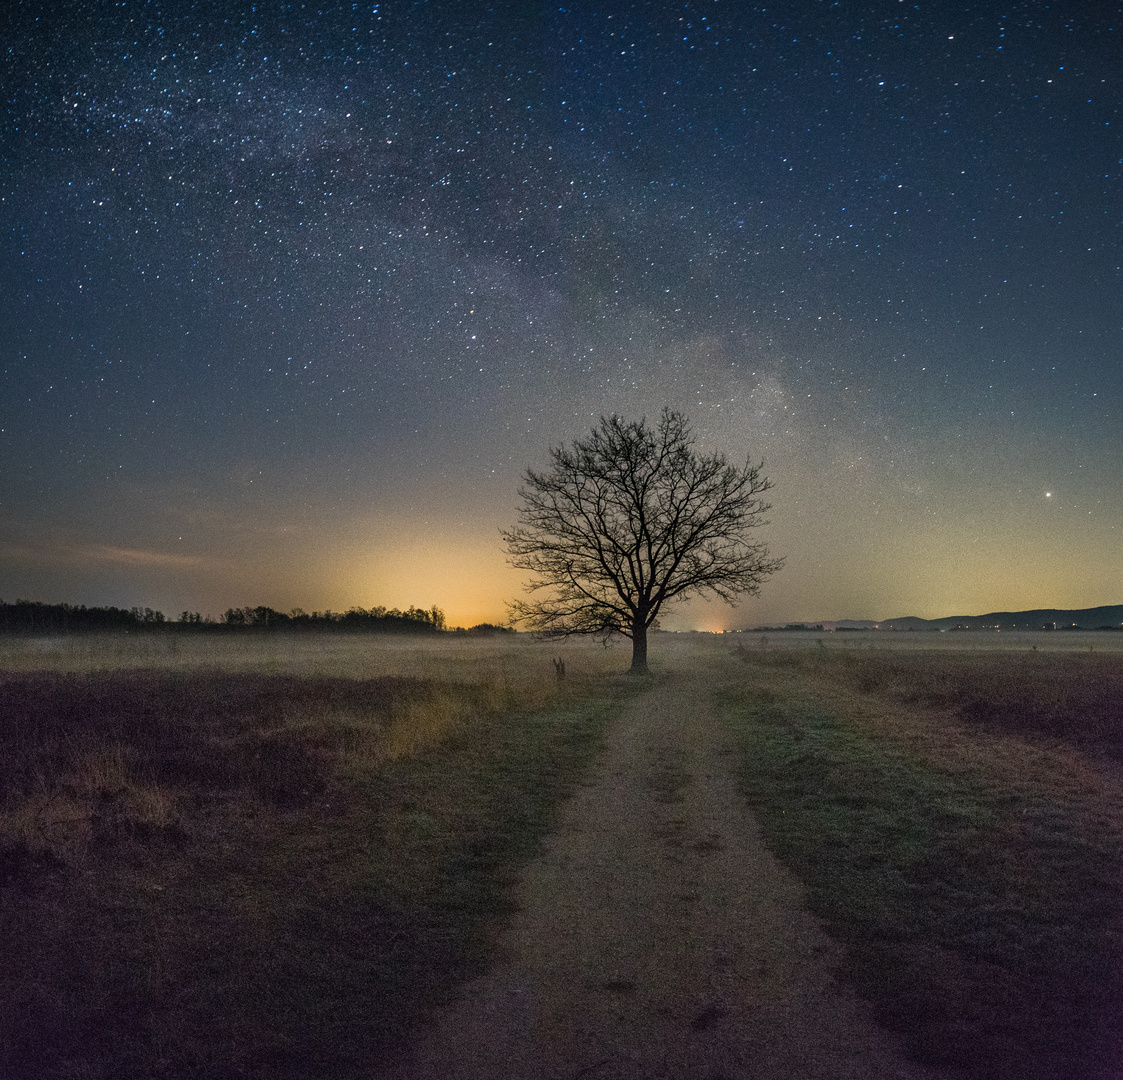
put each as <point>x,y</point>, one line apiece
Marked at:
<point>630,519</point>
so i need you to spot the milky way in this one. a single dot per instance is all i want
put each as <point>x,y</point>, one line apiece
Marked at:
<point>292,294</point>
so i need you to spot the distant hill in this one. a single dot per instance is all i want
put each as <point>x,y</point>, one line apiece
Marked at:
<point>1097,618</point>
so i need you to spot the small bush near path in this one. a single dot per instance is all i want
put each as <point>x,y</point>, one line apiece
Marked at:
<point>971,865</point>
<point>216,874</point>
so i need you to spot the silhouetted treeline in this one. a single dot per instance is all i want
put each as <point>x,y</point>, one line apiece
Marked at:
<point>412,620</point>
<point>33,617</point>
<point>485,629</point>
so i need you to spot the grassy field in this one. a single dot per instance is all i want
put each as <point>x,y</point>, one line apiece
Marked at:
<point>271,856</point>
<point>267,858</point>
<point>957,819</point>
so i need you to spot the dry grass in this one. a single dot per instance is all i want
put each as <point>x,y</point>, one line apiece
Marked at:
<point>256,872</point>
<point>1074,697</point>
<point>269,858</point>
<point>348,656</point>
<point>966,853</point>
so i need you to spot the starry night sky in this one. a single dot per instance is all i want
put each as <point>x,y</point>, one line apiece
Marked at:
<point>292,294</point>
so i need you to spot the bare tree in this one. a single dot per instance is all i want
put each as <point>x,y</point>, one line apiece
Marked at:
<point>630,519</point>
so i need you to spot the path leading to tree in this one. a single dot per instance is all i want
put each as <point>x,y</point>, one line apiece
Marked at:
<point>658,937</point>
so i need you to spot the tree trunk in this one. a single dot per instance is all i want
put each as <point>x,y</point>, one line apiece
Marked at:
<point>639,649</point>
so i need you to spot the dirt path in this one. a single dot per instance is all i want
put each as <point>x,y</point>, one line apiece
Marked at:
<point>658,937</point>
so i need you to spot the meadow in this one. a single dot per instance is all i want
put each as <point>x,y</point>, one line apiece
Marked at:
<point>272,856</point>
<point>955,813</point>
<point>262,857</point>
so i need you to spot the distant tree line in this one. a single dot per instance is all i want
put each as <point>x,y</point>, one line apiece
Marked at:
<point>792,627</point>
<point>34,617</point>
<point>31,616</point>
<point>412,620</point>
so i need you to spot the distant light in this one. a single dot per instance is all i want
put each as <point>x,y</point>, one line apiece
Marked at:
<point>1048,494</point>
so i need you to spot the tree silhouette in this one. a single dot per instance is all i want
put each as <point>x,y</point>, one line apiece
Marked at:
<point>630,519</point>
